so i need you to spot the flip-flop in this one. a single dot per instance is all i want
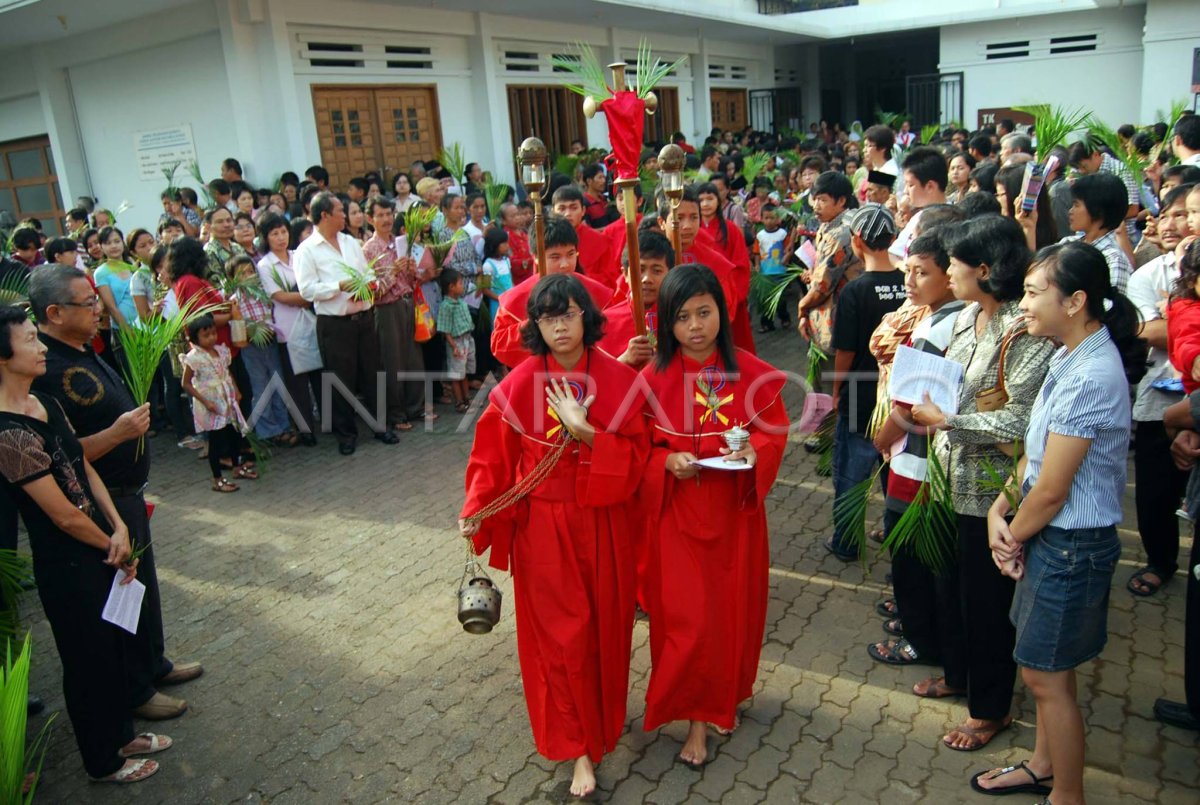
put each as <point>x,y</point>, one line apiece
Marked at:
<point>894,627</point>
<point>887,611</point>
<point>158,743</point>
<point>1038,786</point>
<point>896,652</point>
<point>128,773</point>
<point>936,689</point>
<point>977,734</point>
<point>1139,578</point>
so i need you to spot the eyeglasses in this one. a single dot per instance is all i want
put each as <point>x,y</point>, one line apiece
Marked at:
<point>91,301</point>
<point>566,318</point>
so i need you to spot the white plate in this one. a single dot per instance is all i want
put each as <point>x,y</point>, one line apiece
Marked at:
<point>719,463</point>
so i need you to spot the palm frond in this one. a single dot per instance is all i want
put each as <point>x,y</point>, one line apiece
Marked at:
<point>262,450</point>
<point>440,249</point>
<point>168,172</point>
<point>768,291</point>
<point>260,332</point>
<point>495,195</point>
<point>417,219</point>
<point>890,119</point>
<point>753,166</point>
<point>816,356</point>
<point>16,570</point>
<point>362,281</point>
<point>648,179</point>
<point>850,512</point>
<point>1054,124</point>
<point>14,288</point>
<point>566,164</point>
<point>928,526</point>
<point>18,758</point>
<point>585,68</point>
<point>194,170</point>
<point>649,74</point>
<point>928,133</point>
<point>1123,152</point>
<point>453,161</point>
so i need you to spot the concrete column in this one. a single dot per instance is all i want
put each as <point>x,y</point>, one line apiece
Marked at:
<point>496,153</point>
<point>62,127</point>
<point>701,95</point>
<point>810,81</point>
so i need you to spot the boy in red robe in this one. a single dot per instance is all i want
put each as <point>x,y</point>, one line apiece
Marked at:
<point>570,541</point>
<point>595,259</point>
<point>562,255</point>
<point>706,579</point>
<point>620,336</point>
<point>699,249</point>
<point>615,232</point>
<point>519,255</point>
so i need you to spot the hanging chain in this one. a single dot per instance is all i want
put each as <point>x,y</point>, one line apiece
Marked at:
<point>524,486</point>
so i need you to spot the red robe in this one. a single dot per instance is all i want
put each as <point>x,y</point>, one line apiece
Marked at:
<point>506,330</point>
<point>519,255</point>
<point>595,257</point>
<point>570,543</point>
<point>702,251</point>
<point>619,329</point>
<point>734,250</point>
<point>615,232</point>
<point>706,576</point>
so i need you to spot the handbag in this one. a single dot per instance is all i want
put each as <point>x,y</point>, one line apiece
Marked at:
<point>302,348</point>
<point>996,397</point>
<point>425,325</point>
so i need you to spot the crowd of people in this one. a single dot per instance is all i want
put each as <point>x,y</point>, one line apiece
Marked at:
<point>413,291</point>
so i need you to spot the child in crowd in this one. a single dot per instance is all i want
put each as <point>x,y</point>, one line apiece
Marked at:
<point>215,398</point>
<point>454,322</point>
<point>1183,319</point>
<point>754,206</point>
<point>497,267</point>
<point>772,251</point>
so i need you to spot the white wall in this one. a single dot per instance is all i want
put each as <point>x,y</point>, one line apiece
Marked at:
<point>1172,33</point>
<point>1107,81</point>
<point>156,87</point>
<point>21,117</point>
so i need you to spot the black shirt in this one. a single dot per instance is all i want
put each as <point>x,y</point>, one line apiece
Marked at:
<point>863,303</point>
<point>93,396</point>
<point>31,449</point>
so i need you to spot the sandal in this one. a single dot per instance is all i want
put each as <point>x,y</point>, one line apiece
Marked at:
<point>222,485</point>
<point>462,407</point>
<point>158,743</point>
<point>402,426</point>
<point>896,652</point>
<point>1037,785</point>
<point>894,627</point>
<point>132,772</point>
<point>887,608</point>
<point>431,416</point>
<point>979,736</point>
<point>246,472</point>
<point>845,557</point>
<point>935,687</point>
<point>875,535</point>
<point>1141,586</point>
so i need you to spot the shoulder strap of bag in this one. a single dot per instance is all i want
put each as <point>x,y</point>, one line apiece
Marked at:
<point>1015,332</point>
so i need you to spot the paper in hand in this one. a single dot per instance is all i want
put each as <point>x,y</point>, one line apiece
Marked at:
<point>124,605</point>
<point>914,373</point>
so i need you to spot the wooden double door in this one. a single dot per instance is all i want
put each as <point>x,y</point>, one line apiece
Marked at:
<point>729,109</point>
<point>372,127</point>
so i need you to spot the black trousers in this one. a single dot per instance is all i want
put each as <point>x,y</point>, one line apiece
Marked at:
<point>986,596</point>
<point>1158,488</point>
<point>223,443</point>
<point>92,651</point>
<point>303,388</point>
<point>1191,630</point>
<point>930,609</point>
<point>398,352</point>
<point>144,652</point>
<point>350,350</point>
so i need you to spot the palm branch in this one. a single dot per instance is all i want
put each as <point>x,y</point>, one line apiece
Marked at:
<point>753,166</point>
<point>260,332</point>
<point>566,164</point>
<point>19,758</point>
<point>495,195</point>
<point>194,170</point>
<point>417,219</point>
<point>14,288</point>
<point>648,179</point>
<point>1003,483</point>
<point>890,119</point>
<point>452,160</point>
<point>850,512</point>
<point>585,68</point>
<point>169,171</point>
<point>15,571</point>
<point>649,74</point>
<point>928,133</point>
<point>362,281</point>
<point>1053,125</point>
<point>816,356</point>
<point>768,292</point>
<point>1123,152</point>
<point>441,248</point>
<point>927,527</point>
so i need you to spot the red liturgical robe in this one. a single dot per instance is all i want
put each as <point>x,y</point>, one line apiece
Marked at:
<point>596,259</point>
<point>702,251</point>
<point>506,330</point>
<point>619,329</point>
<point>570,543</point>
<point>734,250</point>
<point>706,577</point>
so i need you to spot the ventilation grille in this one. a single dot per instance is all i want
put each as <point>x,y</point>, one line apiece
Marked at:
<point>1040,48</point>
<point>728,72</point>
<point>786,76</point>
<point>348,51</point>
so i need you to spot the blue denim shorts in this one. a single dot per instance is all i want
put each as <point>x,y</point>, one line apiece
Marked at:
<point>1060,608</point>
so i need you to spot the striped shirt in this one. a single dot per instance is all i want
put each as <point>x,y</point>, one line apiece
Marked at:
<point>1085,395</point>
<point>1110,165</point>
<point>1120,268</point>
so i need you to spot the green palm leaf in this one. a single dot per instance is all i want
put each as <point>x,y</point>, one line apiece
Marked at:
<point>495,195</point>
<point>768,291</point>
<point>16,757</point>
<point>194,170</point>
<point>850,512</point>
<point>928,133</point>
<point>1123,152</point>
<point>1054,124</point>
<point>753,166</point>
<point>586,70</point>
<point>14,288</point>
<point>453,161</point>
<point>649,74</point>
<point>928,526</point>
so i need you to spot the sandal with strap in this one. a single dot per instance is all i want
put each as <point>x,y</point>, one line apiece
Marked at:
<point>887,608</point>
<point>1037,785</point>
<point>894,627</point>
<point>246,472</point>
<point>935,687</point>
<point>222,485</point>
<point>896,652</point>
<point>158,743</point>
<point>979,736</point>
<point>1141,586</point>
<point>132,772</point>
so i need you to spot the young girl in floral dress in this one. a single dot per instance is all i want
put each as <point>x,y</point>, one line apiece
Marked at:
<point>215,400</point>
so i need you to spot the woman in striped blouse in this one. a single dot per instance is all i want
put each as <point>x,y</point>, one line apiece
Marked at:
<point>1062,543</point>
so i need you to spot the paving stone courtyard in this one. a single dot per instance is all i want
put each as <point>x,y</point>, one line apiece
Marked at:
<point>321,600</point>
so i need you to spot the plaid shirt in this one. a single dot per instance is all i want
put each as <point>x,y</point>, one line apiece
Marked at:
<point>394,285</point>
<point>1110,165</point>
<point>454,319</point>
<point>1120,268</point>
<point>252,309</point>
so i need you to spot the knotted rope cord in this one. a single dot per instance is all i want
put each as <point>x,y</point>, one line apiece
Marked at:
<point>526,485</point>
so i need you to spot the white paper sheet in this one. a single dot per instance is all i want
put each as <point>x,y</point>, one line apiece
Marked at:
<point>124,605</point>
<point>914,373</point>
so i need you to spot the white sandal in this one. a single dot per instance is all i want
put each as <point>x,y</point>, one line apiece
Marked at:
<point>158,743</point>
<point>130,770</point>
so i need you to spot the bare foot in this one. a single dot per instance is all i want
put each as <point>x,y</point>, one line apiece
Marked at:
<point>584,781</point>
<point>695,749</point>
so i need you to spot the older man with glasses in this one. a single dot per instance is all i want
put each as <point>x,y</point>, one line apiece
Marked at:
<point>108,424</point>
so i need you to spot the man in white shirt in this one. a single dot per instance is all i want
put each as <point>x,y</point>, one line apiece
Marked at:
<point>1158,484</point>
<point>345,326</point>
<point>925,177</point>
<point>1186,142</point>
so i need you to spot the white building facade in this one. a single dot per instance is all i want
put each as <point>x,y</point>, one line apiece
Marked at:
<point>98,94</point>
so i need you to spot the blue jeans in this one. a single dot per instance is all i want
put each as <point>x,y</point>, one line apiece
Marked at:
<point>854,459</point>
<point>262,364</point>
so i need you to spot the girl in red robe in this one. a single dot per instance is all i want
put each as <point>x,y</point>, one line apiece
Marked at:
<point>706,580</point>
<point>728,238</point>
<point>570,541</point>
